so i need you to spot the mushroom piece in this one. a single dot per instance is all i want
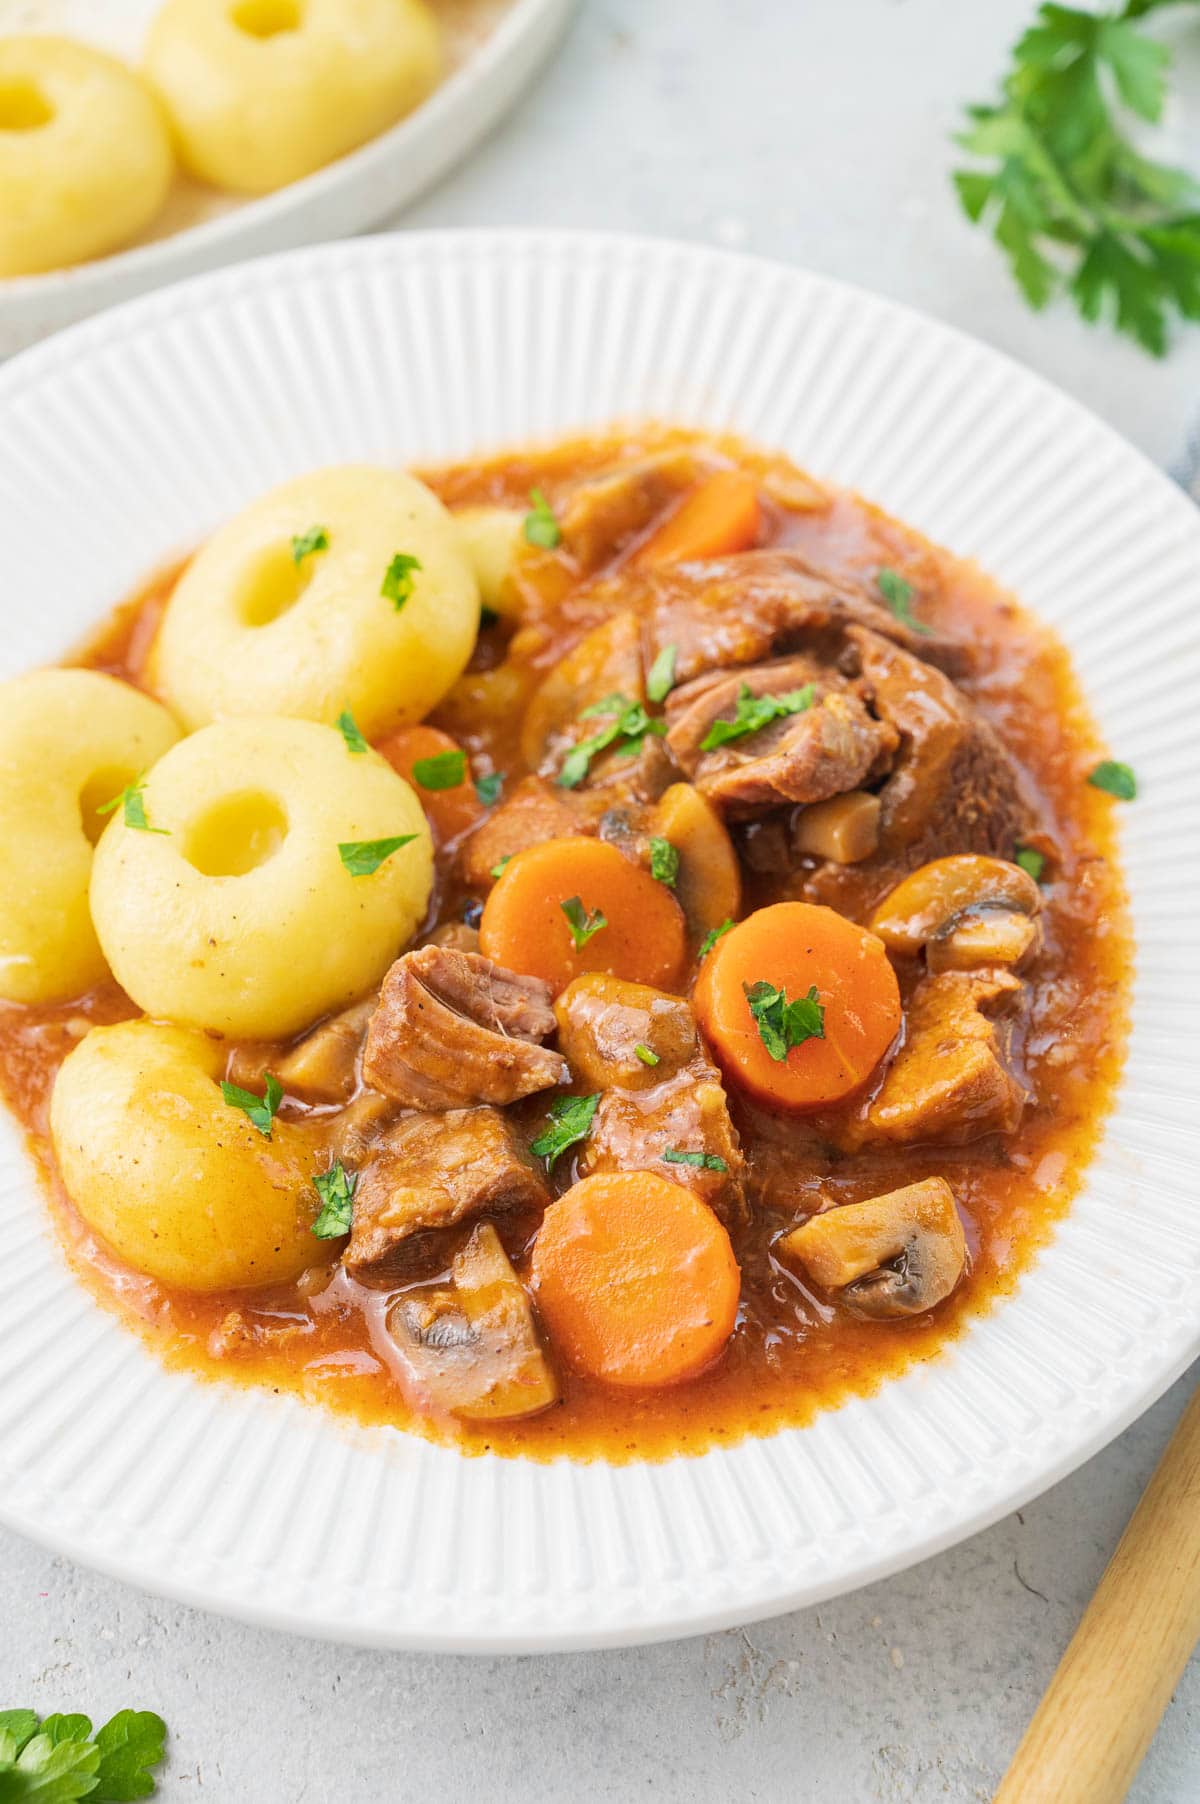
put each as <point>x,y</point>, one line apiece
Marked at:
<point>963,912</point>
<point>470,1349</point>
<point>844,829</point>
<point>893,1255</point>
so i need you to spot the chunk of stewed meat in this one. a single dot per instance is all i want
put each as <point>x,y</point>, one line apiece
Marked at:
<point>429,1172</point>
<point>662,1105</point>
<point>828,743</point>
<point>535,811</point>
<point>952,1079</point>
<point>889,1256</point>
<point>603,514</point>
<point>452,1028</point>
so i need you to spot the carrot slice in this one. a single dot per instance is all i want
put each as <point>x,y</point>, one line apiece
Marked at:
<point>449,811</point>
<point>527,918</point>
<point>635,1279</point>
<point>796,947</point>
<point>722,515</point>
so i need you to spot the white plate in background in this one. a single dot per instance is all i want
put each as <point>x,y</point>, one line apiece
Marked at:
<point>494,48</point>
<point>130,437</point>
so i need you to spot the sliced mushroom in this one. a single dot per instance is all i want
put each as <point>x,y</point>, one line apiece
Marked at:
<point>844,829</point>
<point>322,1067</point>
<point>893,1255</point>
<point>470,1349</point>
<point>963,912</point>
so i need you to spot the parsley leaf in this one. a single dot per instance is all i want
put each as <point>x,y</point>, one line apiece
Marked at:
<point>46,1771</point>
<point>541,528</point>
<point>644,1052</point>
<point>626,731</point>
<point>1066,193</point>
<point>712,936</point>
<point>664,862</point>
<point>1031,861</point>
<point>132,804</point>
<point>507,859</point>
<point>335,1188</point>
<point>782,1024</point>
<point>22,1726</point>
<point>67,1728</point>
<point>363,857</point>
<point>755,712</point>
<point>305,543</point>
<point>397,584</point>
<point>702,1161</point>
<point>348,728</point>
<point>130,1743</point>
<point>660,679</point>
<point>445,770</point>
<point>1115,779</point>
<point>897,591</point>
<point>61,1760</point>
<point>582,924</point>
<point>569,1121</point>
<point>488,788</point>
<point>260,1110</point>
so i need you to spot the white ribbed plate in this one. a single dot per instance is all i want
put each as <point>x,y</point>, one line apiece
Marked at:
<point>124,441</point>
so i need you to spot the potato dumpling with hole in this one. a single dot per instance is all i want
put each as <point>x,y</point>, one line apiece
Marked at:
<point>238,913</point>
<point>85,155</point>
<point>70,741</point>
<point>345,588</point>
<point>262,92</point>
<point>180,1184</point>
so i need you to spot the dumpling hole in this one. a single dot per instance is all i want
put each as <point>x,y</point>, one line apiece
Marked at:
<point>274,584</point>
<point>266,18</point>
<point>236,835</point>
<point>23,107</point>
<point>101,787</point>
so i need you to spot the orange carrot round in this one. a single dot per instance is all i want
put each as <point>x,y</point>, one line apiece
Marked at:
<point>829,1046</point>
<point>574,905</point>
<point>635,1279</point>
<point>722,515</point>
<point>449,811</point>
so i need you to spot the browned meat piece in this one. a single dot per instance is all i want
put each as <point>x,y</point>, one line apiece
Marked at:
<point>952,1080</point>
<point>604,513</point>
<point>431,1171</point>
<point>606,662</point>
<point>535,811</point>
<point>649,1111</point>
<point>452,1029</point>
<point>832,746</point>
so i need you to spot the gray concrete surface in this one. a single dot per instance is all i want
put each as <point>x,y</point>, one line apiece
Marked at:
<point>814,132</point>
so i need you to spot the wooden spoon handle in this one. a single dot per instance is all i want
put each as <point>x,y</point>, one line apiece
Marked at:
<point>1099,1715</point>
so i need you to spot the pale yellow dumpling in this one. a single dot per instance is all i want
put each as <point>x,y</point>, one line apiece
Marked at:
<point>177,1182</point>
<point>70,741</point>
<point>257,624</point>
<point>262,92</point>
<point>85,155</point>
<point>239,914</point>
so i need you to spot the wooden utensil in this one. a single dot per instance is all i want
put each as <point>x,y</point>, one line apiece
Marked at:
<point>1103,1705</point>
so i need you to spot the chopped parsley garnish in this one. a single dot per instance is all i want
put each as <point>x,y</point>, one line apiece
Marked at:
<point>643,1052</point>
<point>132,804</point>
<point>363,857</point>
<point>260,1111</point>
<point>335,1188</point>
<point>60,1759</point>
<point>1113,778</point>
<point>398,579</point>
<point>712,936</point>
<point>305,543</point>
<point>702,1161</point>
<point>898,592</point>
<point>755,712</point>
<point>445,770</point>
<point>664,861</point>
<point>507,859</point>
<point>541,528</point>
<point>347,726</point>
<point>782,1024</point>
<point>569,1121</point>
<point>1031,861</point>
<point>661,677</point>
<point>582,924</point>
<point>626,731</point>
<point>488,788</point>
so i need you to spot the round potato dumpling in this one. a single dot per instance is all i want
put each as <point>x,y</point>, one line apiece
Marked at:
<point>70,741</point>
<point>346,588</point>
<point>263,92</point>
<point>281,875</point>
<point>85,155</point>
<point>179,1183</point>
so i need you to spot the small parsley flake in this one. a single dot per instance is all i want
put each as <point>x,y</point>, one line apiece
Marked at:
<point>541,528</point>
<point>782,1024</point>
<point>898,592</point>
<point>582,924</point>
<point>1114,779</point>
<point>488,788</point>
<point>755,712</point>
<point>712,936</point>
<point>702,1161</point>
<point>569,1121</point>
<point>660,679</point>
<point>363,857</point>
<point>664,862</point>
<point>445,770</point>
<point>335,1188</point>
<point>305,543</point>
<point>1031,861</point>
<point>132,804</point>
<point>348,728</point>
<point>397,583</point>
<point>260,1111</point>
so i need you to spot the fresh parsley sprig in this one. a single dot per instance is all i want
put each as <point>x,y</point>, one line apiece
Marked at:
<point>782,1024</point>
<point>1064,189</point>
<point>58,1759</point>
<point>626,732</point>
<point>754,712</point>
<point>132,804</point>
<point>569,1121</point>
